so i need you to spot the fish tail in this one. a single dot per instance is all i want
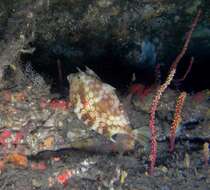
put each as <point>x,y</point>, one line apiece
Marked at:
<point>142,135</point>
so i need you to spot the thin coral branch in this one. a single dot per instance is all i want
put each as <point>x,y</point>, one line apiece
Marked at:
<point>187,71</point>
<point>60,75</point>
<point>153,151</point>
<point>176,120</point>
<point>162,88</point>
<point>187,41</point>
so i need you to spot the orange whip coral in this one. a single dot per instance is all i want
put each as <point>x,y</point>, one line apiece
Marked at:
<point>162,88</point>
<point>176,120</point>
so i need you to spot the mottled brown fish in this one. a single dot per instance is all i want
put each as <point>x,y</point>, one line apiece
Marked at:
<point>98,106</point>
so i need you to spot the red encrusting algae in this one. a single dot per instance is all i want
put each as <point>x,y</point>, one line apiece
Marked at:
<point>64,176</point>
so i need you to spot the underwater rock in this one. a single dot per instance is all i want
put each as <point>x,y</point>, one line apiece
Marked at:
<point>96,25</point>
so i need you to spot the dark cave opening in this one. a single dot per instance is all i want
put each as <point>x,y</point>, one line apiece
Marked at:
<point>113,68</point>
<point>198,78</point>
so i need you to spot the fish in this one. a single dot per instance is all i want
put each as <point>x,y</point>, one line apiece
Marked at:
<point>97,105</point>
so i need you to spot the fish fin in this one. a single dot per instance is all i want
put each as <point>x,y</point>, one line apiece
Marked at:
<point>79,70</point>
<point>109,88</point>
<point>91,72</point>
<point>142,135</point>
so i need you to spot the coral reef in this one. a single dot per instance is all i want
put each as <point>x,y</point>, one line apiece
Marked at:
<point>160,91</point>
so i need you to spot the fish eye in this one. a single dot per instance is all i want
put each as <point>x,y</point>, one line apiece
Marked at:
<point>78,76</point>
<point>72,77</point>
<point>114,137</point>
<point>119,137</point>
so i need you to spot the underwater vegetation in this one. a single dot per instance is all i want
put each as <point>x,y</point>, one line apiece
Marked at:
<point>176,120</point>
<point>160,91</point>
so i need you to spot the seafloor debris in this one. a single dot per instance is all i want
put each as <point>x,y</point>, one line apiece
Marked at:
<point>26,125</point>
<point>39,122</point>
<point>34,122</point>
